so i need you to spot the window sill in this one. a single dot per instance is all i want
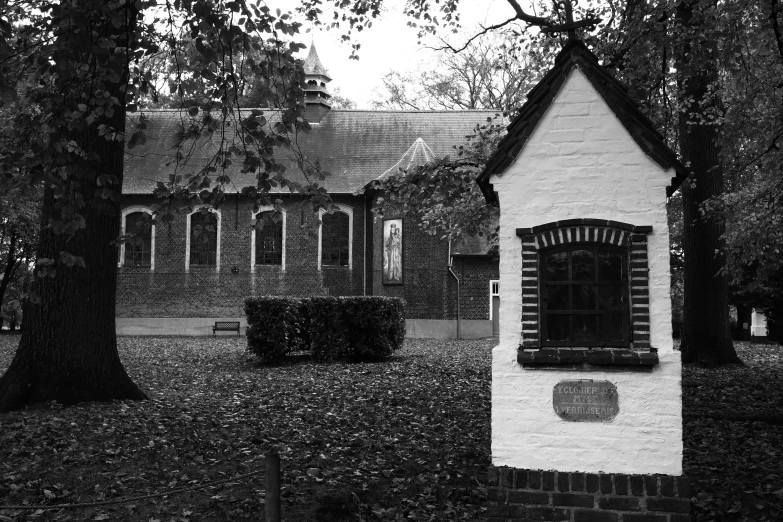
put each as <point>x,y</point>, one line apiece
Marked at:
<point>596,359</point>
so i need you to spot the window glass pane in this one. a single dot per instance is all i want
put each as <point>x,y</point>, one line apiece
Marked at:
<point>610,266</point>
<point>584,297</point>
<point>557,327</point>
<point>611,327</point>
<point>582,265</point>
<point>557,266</point>
<point>334,239</point>
<point>138,249</point>
<point>557,297</point>
<point>610,298</point>
<point>203,239</point>
<point>587,280</point>
<point>585,328</point>
<point>269,240</point>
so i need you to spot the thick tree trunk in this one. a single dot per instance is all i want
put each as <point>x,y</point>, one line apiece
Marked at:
<point>706,334</point>
<point>10,268</point>
<point>68,350</point>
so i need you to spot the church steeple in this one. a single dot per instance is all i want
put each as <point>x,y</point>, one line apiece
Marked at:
<point>317,97</point>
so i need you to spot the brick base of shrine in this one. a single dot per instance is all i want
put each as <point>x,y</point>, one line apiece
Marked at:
<point>517,495</point>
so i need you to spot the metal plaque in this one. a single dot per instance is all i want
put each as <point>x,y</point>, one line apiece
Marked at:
<point>585,400</point>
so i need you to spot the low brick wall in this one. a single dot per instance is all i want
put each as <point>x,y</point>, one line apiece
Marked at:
<point>517,495</point>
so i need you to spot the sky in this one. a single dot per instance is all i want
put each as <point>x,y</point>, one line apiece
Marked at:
<point>388,44</point>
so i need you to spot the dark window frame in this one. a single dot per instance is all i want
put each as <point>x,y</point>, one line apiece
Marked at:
<point>201,248</point>
<point>275,257</point>
<point>624,283</point>
<point>330,250</point>
<point>133,250</point>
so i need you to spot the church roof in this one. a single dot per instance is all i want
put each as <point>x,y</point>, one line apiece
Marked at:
<point>313,65</point>
<point>614,93</point>
<point>354,146</point>
<point>417,155</point>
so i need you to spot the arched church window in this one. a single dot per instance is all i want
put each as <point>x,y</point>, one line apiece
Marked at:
<point>335,239</point>
<point>203,238</point>
<point>138,249</point>
<point>269,239</point>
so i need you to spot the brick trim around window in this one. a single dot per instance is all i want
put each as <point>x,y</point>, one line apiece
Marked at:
<point>584,231</point>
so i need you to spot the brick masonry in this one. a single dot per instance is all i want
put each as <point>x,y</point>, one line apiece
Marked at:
<point>169,290</point>
<point>517,495</point>
<point>429,290</point>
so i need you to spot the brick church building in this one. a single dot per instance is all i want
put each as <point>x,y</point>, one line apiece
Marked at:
<point>179,282</point>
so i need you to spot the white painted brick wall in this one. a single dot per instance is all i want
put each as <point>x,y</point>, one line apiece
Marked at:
<point>593,171</point>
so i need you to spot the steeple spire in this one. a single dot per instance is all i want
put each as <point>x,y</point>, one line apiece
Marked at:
<point>317,96</point>
<point>313,65</point>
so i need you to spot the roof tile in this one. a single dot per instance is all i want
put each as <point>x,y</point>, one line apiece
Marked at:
<point>354,146</point>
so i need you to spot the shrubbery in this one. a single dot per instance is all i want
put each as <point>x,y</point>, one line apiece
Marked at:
<point>275,326</point>
<point>329,339</point>
<point>375,326</point>
<point>331,328</point>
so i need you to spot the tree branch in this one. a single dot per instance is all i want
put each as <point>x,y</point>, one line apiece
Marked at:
<point>773,17</point>
<point>484,30</point>
<point>547,25</point>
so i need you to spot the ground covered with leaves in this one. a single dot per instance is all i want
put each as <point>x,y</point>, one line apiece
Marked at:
<point>403,439</point>
<point>406,439</point>
<point>733,433</point>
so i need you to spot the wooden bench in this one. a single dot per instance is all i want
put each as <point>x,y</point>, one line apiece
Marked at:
<point>225,326</point>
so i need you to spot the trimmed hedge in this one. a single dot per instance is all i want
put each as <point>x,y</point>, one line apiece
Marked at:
<point>332,328</point>
<point>275,326</point>
<point>375,326</point>
<point>329,338</point>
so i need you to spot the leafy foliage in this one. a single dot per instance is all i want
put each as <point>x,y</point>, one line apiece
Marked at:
<point>731,90</point>
<point>83,66</point>
<point>19,223</point>
<point>330,328</point>
<point>376,326</point>
<point>442,195</point>
<point>275,326</point>
<point>355,328</point>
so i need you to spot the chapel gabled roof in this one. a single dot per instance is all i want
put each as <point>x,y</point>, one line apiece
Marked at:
<point>354,146</point>
<point>313,65</point>
<point>615,94</point>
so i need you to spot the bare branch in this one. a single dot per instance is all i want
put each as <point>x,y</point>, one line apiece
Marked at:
<point>547,25</point>
<point>484,30</point>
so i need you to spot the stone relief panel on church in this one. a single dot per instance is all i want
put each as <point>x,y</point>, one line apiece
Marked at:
<point>392,252</point>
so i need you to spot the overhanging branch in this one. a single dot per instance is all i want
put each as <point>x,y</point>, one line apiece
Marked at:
<point>547,25</point>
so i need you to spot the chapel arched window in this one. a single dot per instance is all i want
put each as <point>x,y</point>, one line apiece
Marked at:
<point>335,232</point>
<point>269,239</point>
<point>138,249</point>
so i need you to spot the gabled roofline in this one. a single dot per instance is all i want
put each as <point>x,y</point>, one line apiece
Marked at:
<point>575,54</point>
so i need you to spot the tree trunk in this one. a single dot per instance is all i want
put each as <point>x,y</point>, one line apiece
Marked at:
<point>10,268</point>
<point>706,334</point>
<point>68,350</point>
